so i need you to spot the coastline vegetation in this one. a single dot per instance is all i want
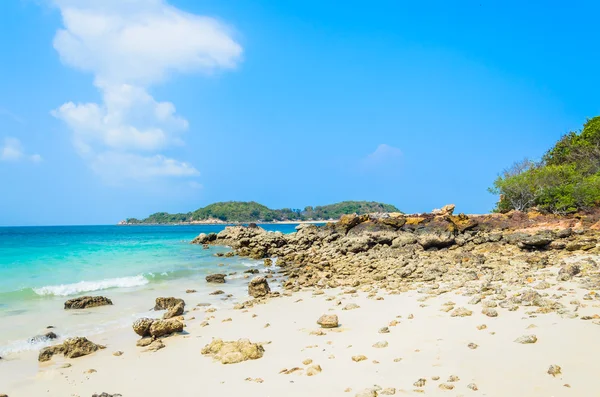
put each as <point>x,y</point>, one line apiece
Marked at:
<point>566,180</point>
<point>243,211</point>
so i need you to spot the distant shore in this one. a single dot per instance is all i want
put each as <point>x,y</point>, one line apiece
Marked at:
<point>224,223</point>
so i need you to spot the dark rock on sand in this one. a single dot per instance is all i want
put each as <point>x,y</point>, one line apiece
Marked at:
<point>215,278</point>
<point>165,327</point>
<point>85,302</point>
<point>328,321</point>
<point>167,303</point>
<point>175,311</point>
<point>70,348</point>
<point>142,326</point>
<point>258,287</point>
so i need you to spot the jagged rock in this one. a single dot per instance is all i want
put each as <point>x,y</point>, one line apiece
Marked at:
<point>165,327</point>
<point>448,209</point>
<point>70,348</point>
<point>313,370</point>
<point>175,311</point>
<point>539,240</point>
<point>204,238</point>
<point>461,312</point>
<point>167,303</point>
<point>86,302</point>
<point>43,338</point>
<point>154,346</point>
<point>258,287</point>
<point>490,312</point>
<point>142,326</point>
<point>328,321</point>
<point>233,352</point>
<point>268,262</point>
<point>555,370</point>
<point>359,358</point>
<point>215,278</point>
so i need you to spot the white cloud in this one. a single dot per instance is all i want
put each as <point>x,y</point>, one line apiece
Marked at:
<point>384,154</point>
<point>130,45</point>
<point>12,150</point>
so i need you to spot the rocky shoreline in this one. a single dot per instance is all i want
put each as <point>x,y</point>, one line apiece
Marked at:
<point>395,252</point>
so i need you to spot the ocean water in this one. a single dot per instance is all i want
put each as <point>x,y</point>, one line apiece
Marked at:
<point>41,267</point>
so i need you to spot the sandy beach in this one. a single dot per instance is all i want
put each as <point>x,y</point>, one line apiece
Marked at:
<point>426,343</point>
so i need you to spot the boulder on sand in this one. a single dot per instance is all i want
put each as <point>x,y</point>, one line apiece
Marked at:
<point>215,278</point>
<point>167,303</point>
<point>258,287</point>
<point>142,326</point>
<point>328,321</point>
<point>165,327</point>
<point>70,348</point>
<point>85,302</point>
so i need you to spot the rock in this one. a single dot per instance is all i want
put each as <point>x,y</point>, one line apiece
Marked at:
<point>490,312</point>
<point>453,378</point>
<point>156,345</point>
<point>537,241</point>
<point>389,391</point>
<point>384,330</point>
<point>165,327</point>
<point>526,339</point>
<point>351,306</point>
<point>258,287</point>
<point>472,346</point>
<point>190,291</point>
<point>167,303</point>
<point>472,386</point>
<point>251,271</point>
<point>308,361</point>
<point>328,321</point>
<point>86,302</point>
<point>568,271</point>
<point>43,338</point>
<point>380,345</point>
<point>70,348</point>
<point>216,278</point>
<point>268,262</point>
<point>204,238</point>
<point>461,312</point>
<point>554,370</point>
<point>142,326</point>
<point>233,352</point>
<point>420,383</point>
<point>313,370</point>
<point>359,358</point>
<point>446,386</point>
<point>118,353</point>
<point>146,341</point>
<point>174,311</point>
<point>217,292</point>
<point>435,239</point>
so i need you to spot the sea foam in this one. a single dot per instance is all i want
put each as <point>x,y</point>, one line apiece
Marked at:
<point>88,286</point>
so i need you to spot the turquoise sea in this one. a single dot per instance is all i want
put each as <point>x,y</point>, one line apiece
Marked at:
<point>41,267</point>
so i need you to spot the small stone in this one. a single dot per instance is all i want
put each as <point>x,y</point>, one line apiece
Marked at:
<point>420,383</point>
<point>318,332</point>
<point>217,292</point>
<point>472,386</point>
<point>526,339</point>
<point>366,393</point>
<point>190,291</point>
<point>490,312</point>
<point>90,371</point>
<point>359,358</point>
<point>328,321</point>
<point>461,312</point>
<point>351,306</point>
<point>397,360</point>
<point>308,361</point>
<point>118,353</point>
<point>436,378</point>
<point>389,391</point>
<point>453,378</point>
<point>384,330</point>
<point>481,327</point>
<point>313,370</point>
<point>554,370</point>
<point>380,345</point>
<point>472,346</point>
<point>446,386</point>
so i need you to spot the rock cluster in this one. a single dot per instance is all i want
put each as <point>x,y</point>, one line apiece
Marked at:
<point>393,251</point>
<point>85,302</point>
<point>233,352</point>
<point>70,348</point>
<point>145,327</point>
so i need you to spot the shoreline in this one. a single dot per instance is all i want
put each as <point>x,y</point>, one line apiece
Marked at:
<point>209,223</point>
<point>421,310</point>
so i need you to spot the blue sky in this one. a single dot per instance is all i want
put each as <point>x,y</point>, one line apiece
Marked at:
<point>112,109</point>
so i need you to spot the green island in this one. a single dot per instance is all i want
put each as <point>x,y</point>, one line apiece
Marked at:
<point>250,211</point>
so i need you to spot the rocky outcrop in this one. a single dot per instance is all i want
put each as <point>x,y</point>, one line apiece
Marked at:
<point>204,238</point>
<point>393,251</point>
<point>86,302</point>
<point>233,352</point>
<point>258,287</point>
<point>215,278</point>
<point>70,348</point>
